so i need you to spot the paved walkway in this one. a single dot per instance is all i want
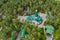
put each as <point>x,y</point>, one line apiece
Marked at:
<point>18,38</point>
<point>0,28</point>
<point>21,18</point>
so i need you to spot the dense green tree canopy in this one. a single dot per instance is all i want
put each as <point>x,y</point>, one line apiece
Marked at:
<point>10,8</point>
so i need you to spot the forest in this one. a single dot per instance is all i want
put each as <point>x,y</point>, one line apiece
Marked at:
<point>10,9</point>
